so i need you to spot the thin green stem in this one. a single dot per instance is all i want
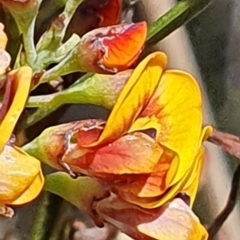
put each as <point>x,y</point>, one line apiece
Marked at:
<point>60,222</point>
<point>29,46</point>
<point>68,65</point>
<point>177,16</point>
<point>54,37</point>
<point>47,104</point>
<point>41,217</point>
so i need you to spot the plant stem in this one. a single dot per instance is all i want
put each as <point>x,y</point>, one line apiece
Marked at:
<point>179,15</point>
<point>45,217</point>
<point>54,37</point>
<point>37,231</point>
<point>47,103</point>
<point>89,89</point>
<point>68,65</point>
<point>29,46</point>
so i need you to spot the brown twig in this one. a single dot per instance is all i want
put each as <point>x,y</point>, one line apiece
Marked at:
<point>232,199</point>
<point>230,144</point>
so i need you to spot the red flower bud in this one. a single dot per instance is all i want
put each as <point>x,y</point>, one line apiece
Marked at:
<point>112,49</point>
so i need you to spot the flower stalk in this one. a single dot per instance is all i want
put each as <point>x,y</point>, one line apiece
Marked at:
<point>97,89</point>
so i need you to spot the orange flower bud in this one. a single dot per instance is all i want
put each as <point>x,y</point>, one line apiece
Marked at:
<point>112,49</point>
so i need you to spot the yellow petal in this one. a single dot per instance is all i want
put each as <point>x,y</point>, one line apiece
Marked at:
<point>136,93</point>
<point>21,84</point>
<point>177,103</point>
<point>177,222</point>
<point>21,179</point>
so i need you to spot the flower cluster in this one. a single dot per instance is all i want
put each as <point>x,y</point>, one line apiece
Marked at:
<point>139,170</point>
<point>147,152</point>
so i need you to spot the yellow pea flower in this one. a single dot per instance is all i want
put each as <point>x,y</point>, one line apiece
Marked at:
<point>150,147</point>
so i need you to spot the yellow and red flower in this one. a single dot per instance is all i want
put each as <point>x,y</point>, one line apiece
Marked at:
<point>150,145</point>
<point>150,148</point>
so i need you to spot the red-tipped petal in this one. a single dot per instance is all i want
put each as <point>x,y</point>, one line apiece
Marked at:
<point>112,49</point>
<point>123,45</point>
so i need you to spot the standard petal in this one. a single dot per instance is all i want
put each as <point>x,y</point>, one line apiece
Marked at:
<point>21,179</point>
<point>177,103</point>
<point>135,95</point>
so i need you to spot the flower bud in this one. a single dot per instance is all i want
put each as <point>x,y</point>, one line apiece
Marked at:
<point>112,49</point>
<point>58,142</point>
